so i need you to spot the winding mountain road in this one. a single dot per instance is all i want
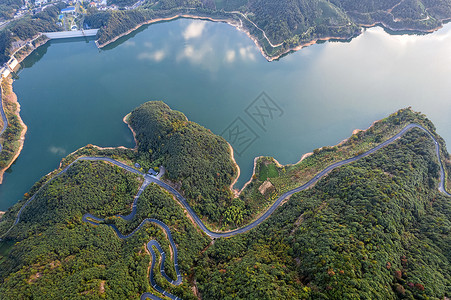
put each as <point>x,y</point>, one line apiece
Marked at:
<point>152,179</point>
<point>153,243</point>
<point>311,182</point>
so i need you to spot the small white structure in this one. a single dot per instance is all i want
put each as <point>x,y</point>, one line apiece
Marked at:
<point>12,63</point>
<point>4,72</point>
<point>40,2</point>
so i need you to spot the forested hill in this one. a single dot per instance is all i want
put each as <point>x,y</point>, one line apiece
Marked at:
<point>8,8</point>
<point>196,160</point>
<point>377,228</point>
<point>277,26</point>
<point>282,25</point>
<point>304,19</point>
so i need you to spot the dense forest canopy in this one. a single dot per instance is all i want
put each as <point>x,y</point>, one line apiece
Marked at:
<point>8,8</point>
<point>55,255</point>
<point>27,28</point>
<point>278,26</point>
<point>287,24</point>
<point>195,159</point>
<point>377,228</point>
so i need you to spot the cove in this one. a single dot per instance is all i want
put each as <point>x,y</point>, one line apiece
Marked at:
<point>73,94</point>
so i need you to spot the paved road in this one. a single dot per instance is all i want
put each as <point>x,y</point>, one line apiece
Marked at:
<point>117,163</point>
<point>153,243</point>
<point>311,182</point>
<point>152,179</point>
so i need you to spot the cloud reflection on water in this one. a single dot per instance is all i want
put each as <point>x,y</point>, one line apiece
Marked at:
<point>60,151</point>
<point>155,56</point>
<point>194,30</point>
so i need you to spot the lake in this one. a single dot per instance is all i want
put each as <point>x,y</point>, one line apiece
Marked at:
<point>73,94</point>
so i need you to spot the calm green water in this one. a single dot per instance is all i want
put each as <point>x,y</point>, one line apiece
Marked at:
<point>72,94</point>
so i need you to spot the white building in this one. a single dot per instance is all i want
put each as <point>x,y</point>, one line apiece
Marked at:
<point>4,72</point>
<point>12,63</point>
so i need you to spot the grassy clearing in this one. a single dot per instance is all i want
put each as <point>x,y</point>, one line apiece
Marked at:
<point>268,170</point>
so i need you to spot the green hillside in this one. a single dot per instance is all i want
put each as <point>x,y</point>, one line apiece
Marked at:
<point>280,26</point>
<point>377,228</point>
<point>195,159</point>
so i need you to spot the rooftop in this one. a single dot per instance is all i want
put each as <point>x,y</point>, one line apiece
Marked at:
<point>68,9</point>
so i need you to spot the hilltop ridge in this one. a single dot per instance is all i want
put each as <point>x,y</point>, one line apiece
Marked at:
<point>283,26</point>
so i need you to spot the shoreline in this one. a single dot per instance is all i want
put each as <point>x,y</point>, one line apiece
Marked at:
<point>278,164</point>
<point>356,131</point>
<point>385,26</point>
<point>252,176</point>
<point>103,148</point>
<point>230,22</point>
<point>243,29</point>
<point>157,20</point>
<point>133,132</point>
<point>9,81</point>
<point>237,26</point>
<point>94,146</point>
<point>21,139</point>
<point>235,192</point>
<point>304,156</point>
<point>21,58</point>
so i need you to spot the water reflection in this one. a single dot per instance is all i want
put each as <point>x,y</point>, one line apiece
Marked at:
<point>388,72</point>
<point>35,56</point>
<point>127,39</point>
<point>194,30</point>
<point>212,72</point>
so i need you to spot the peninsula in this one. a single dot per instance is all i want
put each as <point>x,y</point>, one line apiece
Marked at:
<point>276,29</point>
<point>373,210</point>
<point>12,133</point>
